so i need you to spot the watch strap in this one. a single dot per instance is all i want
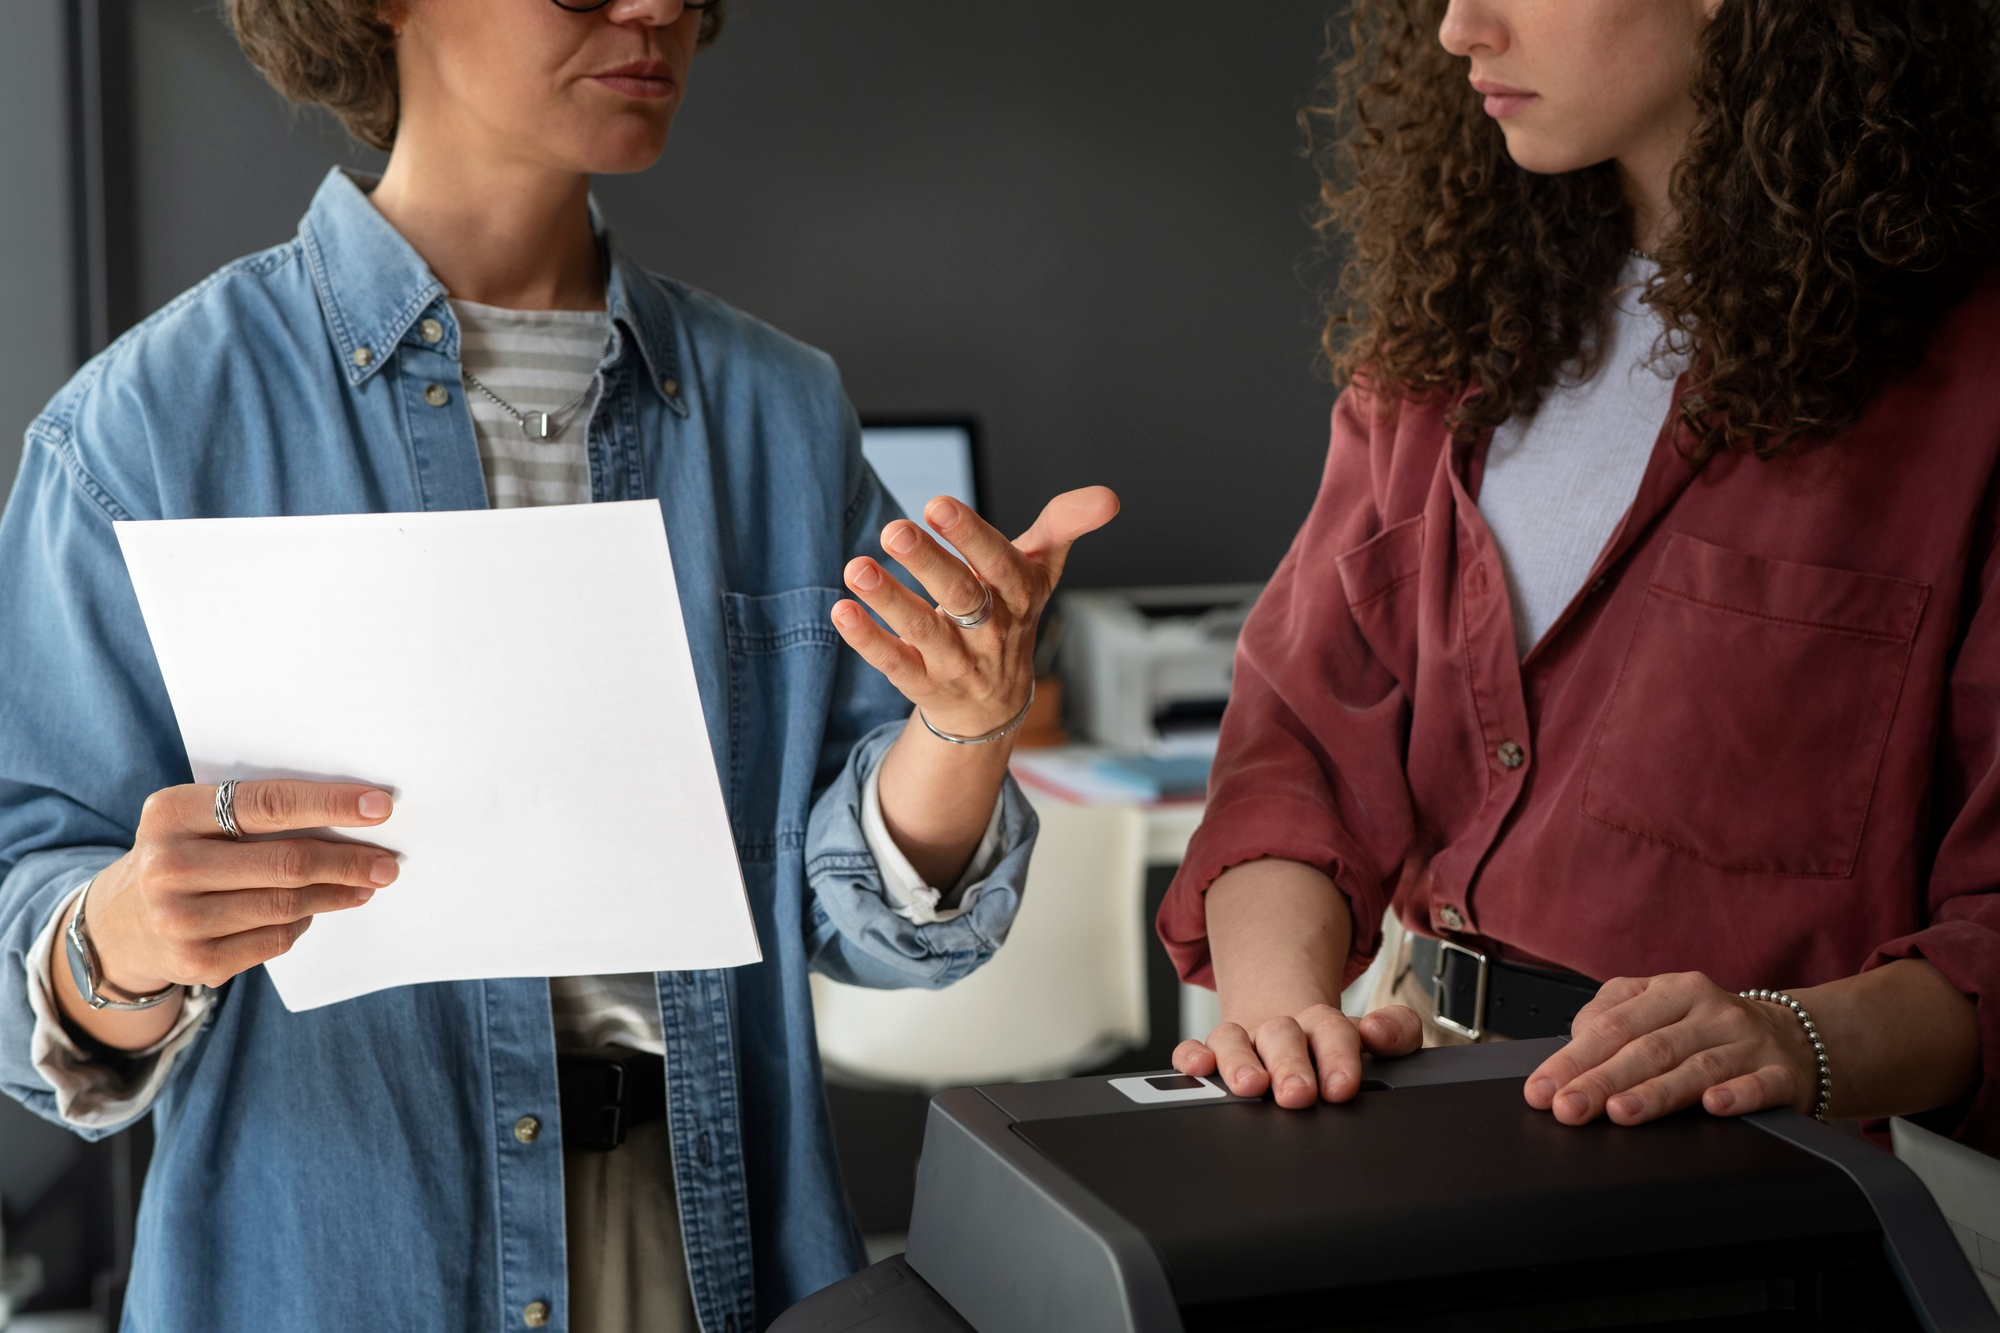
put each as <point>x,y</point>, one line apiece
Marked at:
<point>83,969</point>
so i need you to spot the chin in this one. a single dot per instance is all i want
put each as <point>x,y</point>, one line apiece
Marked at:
<point>1535,153</point>
<point>621,150</point>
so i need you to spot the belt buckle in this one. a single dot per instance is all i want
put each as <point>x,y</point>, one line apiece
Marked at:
<point>1477,1028</point>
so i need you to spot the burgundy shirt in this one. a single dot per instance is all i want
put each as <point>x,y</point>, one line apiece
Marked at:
<point>1762,742</point>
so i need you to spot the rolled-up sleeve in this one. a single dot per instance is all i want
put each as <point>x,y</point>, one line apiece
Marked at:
<point>1961,934</point>
<point>87,726</point>
<point>1310,763</point>
<point>858,936</point>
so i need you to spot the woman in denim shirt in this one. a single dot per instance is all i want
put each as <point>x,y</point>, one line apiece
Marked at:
<point>382,1163</point>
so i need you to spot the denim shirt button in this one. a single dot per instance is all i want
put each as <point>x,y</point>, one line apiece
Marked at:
<point>536,1315</point>
<point>431,331</point>
<point>436,395</point>
<point>671,387</point>
<point>527,1129</point>
<point>363,356</point>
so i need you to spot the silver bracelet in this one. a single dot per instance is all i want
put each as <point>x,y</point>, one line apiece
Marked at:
<point>1825,1098</point>
<point>996,734</point>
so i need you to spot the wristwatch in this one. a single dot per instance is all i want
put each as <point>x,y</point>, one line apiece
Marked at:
<point>83,967</point>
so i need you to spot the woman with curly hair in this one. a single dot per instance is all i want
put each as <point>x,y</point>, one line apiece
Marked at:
<point>601,1154</point>
<point>1641,652</point>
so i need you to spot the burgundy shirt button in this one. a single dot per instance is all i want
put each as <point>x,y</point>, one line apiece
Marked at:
<point>1511,755</point>
<point>1451,918</point>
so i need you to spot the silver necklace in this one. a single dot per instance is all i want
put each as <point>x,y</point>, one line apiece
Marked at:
<point>535,425</point>
<point>1637,253</point>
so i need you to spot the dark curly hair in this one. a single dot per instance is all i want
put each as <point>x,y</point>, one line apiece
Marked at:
<point>339,54</point>
<point>1840,190</point>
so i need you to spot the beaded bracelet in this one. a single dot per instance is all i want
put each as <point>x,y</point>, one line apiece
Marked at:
<point>1812,1035</point>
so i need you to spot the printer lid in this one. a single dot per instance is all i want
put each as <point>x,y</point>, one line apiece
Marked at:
<point>1244,1199</point>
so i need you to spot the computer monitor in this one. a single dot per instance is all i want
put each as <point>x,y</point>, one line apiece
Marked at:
<point>920,458</point>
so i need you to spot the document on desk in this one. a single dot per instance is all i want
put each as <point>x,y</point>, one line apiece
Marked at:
<point>520,680</point>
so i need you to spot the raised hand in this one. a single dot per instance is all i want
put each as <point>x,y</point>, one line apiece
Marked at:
<point>967,680</point>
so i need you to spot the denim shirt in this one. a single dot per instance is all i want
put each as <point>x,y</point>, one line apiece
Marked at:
<point>356,1166</point>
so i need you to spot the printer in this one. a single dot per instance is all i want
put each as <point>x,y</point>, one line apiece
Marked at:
<point>1141,665</point>
<point>1436,1199</point>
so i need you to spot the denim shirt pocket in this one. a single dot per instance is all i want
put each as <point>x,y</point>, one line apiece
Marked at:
<point>1747,724</point>
<point>783,658</point>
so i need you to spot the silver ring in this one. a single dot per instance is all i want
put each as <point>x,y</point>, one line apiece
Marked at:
<point>980,616</point>
<point>225,810</point>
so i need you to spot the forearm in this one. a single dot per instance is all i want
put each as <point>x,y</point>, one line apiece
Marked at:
<point>1278,934</point>
<point>937,799</point>
<point>1899,1039</point>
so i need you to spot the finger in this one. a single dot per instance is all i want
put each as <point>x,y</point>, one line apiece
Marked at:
<point>952,585</point>
<point>1063,520</point>
<point>1394,1029</point>
<point>902,664</point>
<point>222,959</point>
<point>1336,1051</point>
<point>911,618</point>
<point>1766,1086</point>
<point>1191,1057</point>
<point>1236,1058</point>
<point>283,805</point>
<point>1636,1085</point>
<point>1281,1045</point>
<point>1014,579</point>
<point>217,915</point>
<point>285,863</point>
<point>1624,1008</point>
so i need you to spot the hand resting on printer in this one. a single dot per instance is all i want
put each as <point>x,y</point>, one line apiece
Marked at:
<point>1280,934</point>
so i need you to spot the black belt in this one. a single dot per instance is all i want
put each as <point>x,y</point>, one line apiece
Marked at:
<point>605,1093</point>
<point>1478,996</point>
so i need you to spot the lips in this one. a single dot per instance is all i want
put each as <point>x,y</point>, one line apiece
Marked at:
<point>648,79</point>
<point>1502,100</point>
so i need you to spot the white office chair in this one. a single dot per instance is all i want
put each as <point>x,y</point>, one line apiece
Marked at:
<point>1067,991</point>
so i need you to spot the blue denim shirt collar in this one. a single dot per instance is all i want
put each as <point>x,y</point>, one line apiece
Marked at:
<point>373,287</point>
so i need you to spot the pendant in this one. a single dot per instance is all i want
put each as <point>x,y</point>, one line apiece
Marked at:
<point>536,425</point>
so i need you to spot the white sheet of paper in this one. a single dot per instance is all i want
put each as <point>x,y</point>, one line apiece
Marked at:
<point>520,680</point>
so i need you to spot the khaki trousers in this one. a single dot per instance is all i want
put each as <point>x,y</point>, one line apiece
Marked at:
<point>627,1270</point>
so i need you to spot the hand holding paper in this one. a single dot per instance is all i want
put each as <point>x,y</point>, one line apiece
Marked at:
<point>522,684</point>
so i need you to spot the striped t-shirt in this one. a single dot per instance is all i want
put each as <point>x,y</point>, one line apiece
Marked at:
<point>541,361</point>
<point>538,361</point>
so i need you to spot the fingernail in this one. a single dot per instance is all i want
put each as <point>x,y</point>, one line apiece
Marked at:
<point>846,616</point>
<point>866,578</point>
<point>1541,1089</point>
<point>361,896</point>
<point>1624,1105</point>
<point>375,805</point>
<point>1720,1099</point>
<point>901,538</point>
<point>1243,1075</point>
<point>383,870</point>
<point>1573,1102</point>
<point>1295,1084</point>
<point>1336,1083</point>
<point>943,515</point>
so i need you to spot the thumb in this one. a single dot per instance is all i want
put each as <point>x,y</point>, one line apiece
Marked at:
<point>1063,520</point>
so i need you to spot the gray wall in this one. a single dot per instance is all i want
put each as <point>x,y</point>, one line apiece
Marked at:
<point>36,338</point>
<point>1082,225</point>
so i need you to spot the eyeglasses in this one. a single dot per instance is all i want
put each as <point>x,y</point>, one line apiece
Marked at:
<point>696,5</point>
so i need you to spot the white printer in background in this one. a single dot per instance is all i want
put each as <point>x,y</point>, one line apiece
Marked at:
<point>1146,669</point>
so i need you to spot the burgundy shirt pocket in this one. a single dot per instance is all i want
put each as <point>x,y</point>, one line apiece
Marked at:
<point>1379,578</point>
<point>1747,724</point>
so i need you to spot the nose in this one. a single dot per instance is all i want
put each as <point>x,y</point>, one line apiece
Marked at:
<point>654,13</point>
<point>1472,25</point>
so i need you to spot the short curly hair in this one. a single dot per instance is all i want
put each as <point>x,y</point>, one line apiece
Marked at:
<point>339,54</point>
